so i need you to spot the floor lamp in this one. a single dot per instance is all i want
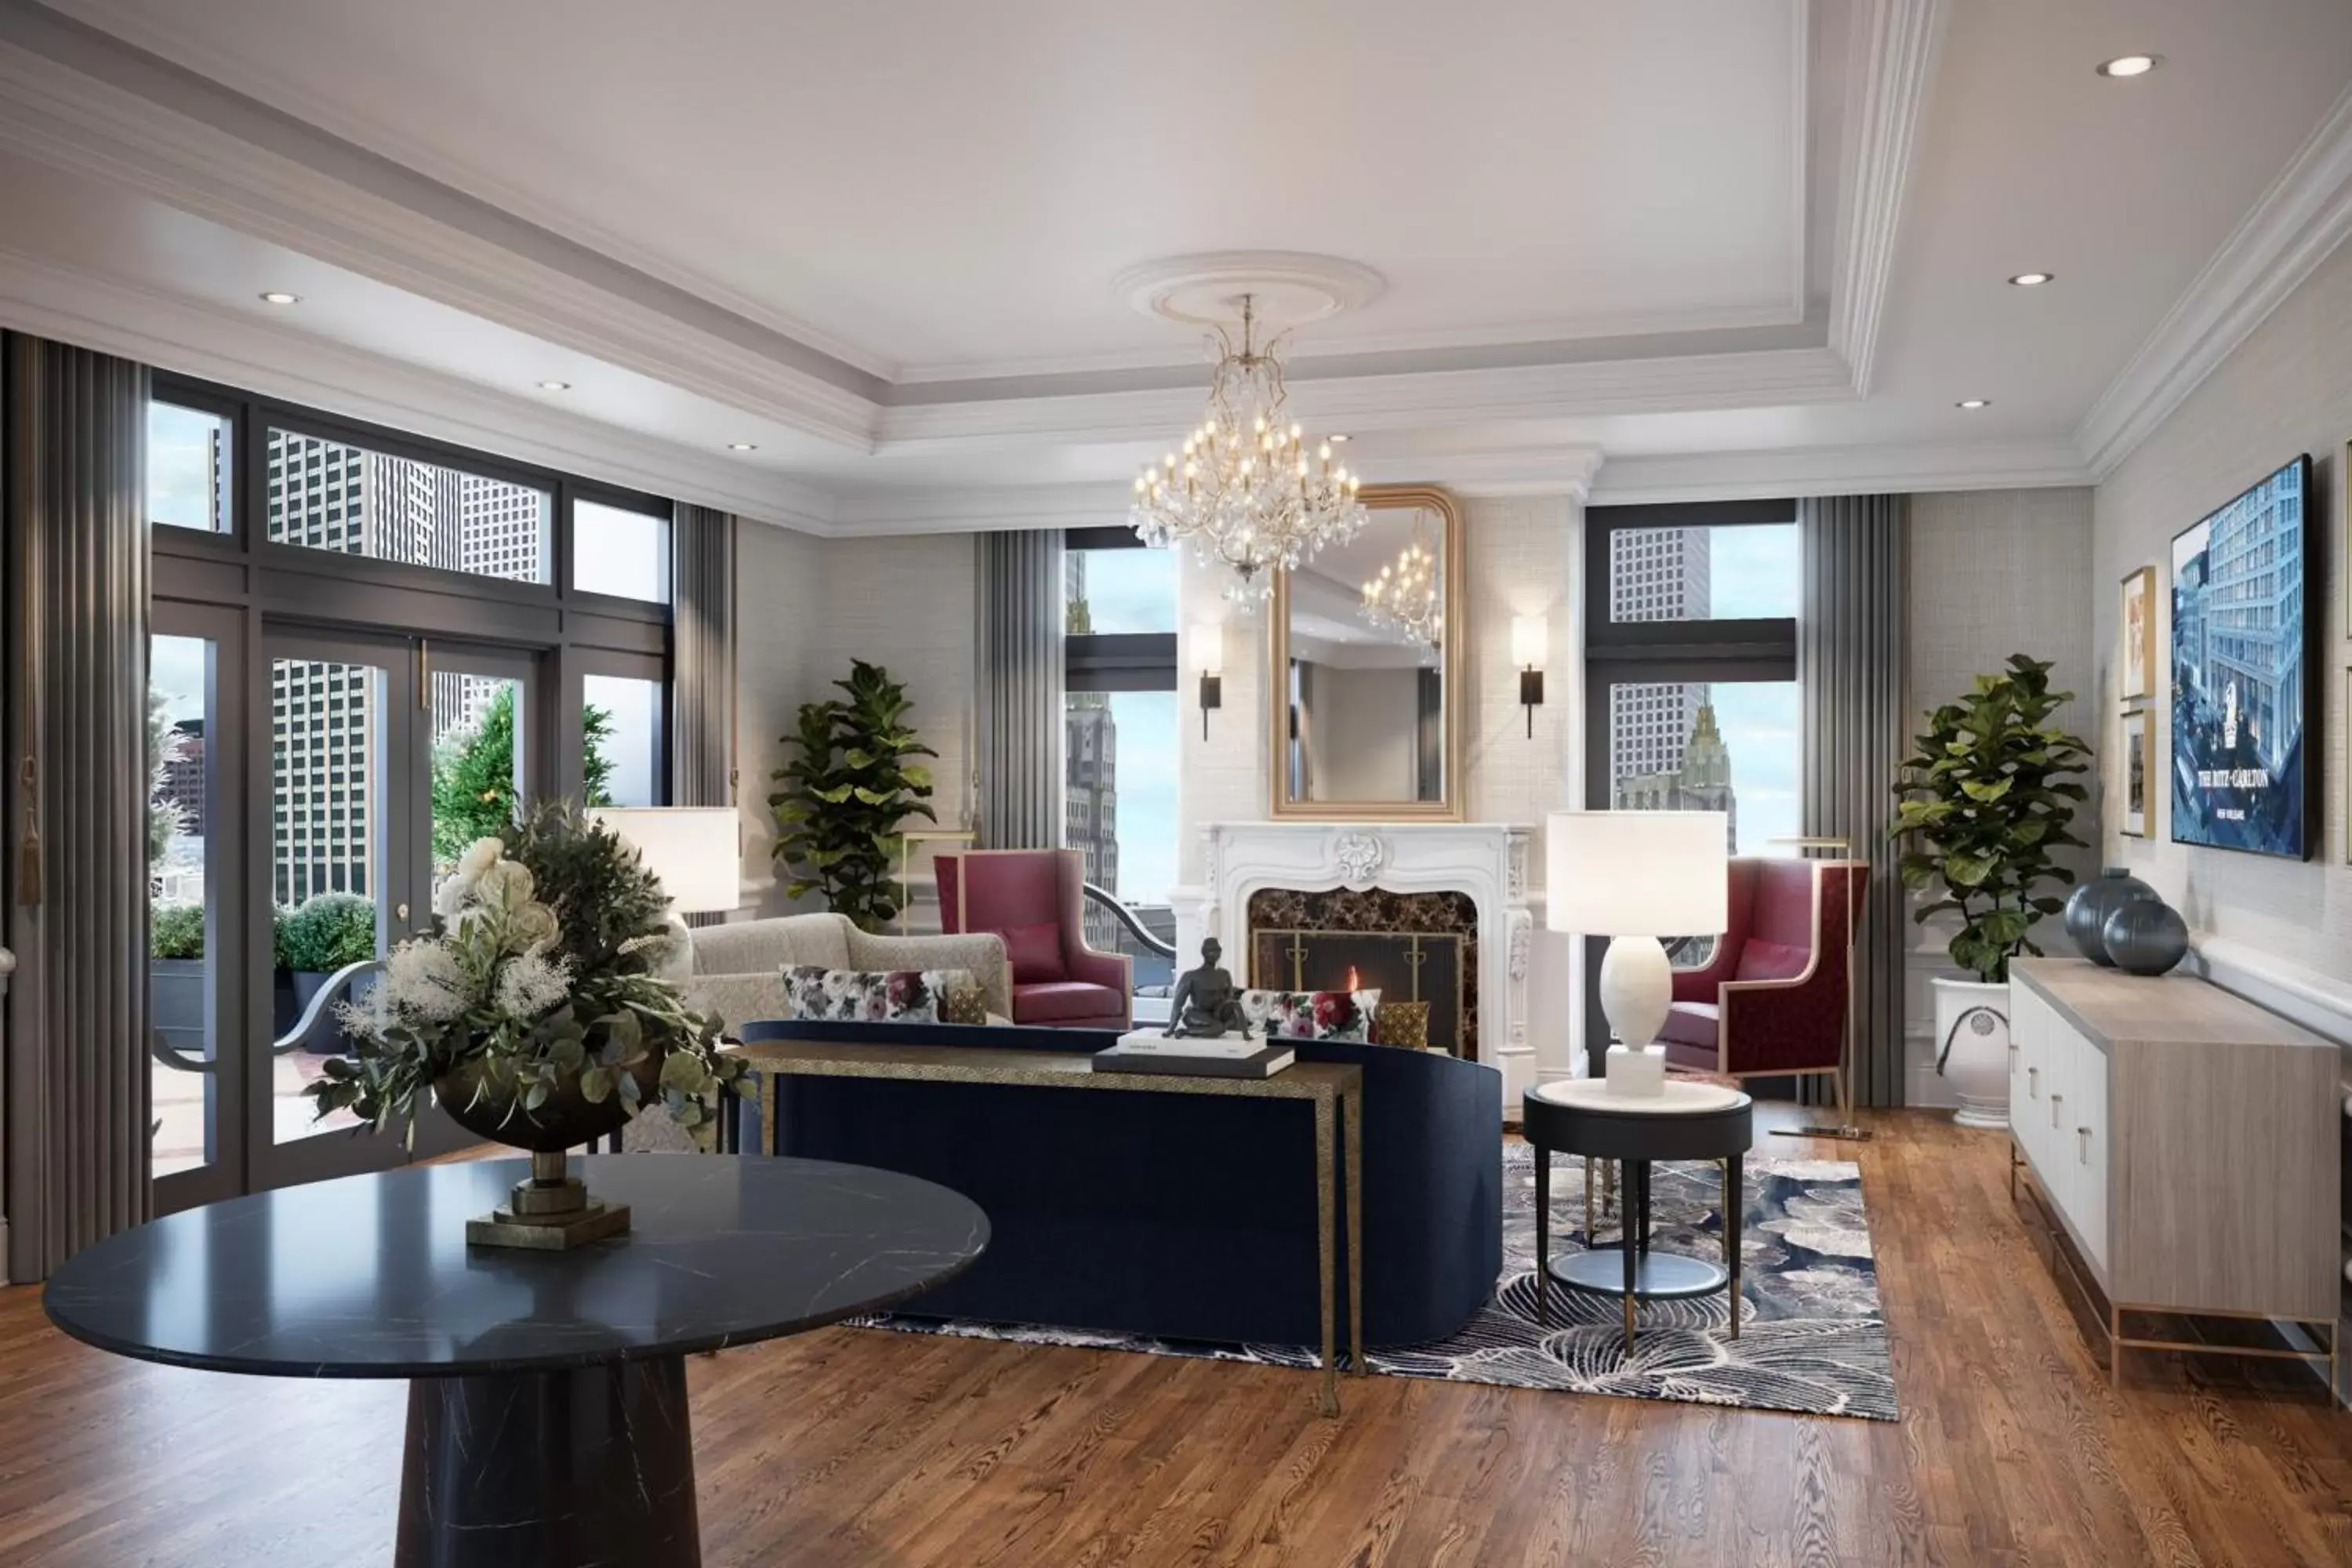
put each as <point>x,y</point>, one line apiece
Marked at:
<point>1841,848</point>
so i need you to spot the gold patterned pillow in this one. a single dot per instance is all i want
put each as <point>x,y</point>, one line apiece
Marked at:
<point>1405,1023</point>
<point>964,1002</point>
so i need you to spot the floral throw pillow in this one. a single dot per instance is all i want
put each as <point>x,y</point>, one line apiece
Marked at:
<point>1311,1015</point>
<point>869,995</point>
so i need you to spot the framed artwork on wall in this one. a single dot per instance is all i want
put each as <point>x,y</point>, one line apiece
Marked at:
<point>2135,774</point>
<point>2138,678</point>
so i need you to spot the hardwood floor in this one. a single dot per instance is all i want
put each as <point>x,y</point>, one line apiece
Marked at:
<point>845,1448</point>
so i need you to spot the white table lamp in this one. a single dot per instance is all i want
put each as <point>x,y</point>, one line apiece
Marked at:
<point>1635,876</point>
<point>694,849</point>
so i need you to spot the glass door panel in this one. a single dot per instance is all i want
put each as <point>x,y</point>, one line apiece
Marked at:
<point>1686,744</point>
<point>341,719</point>
<point>183,954</point>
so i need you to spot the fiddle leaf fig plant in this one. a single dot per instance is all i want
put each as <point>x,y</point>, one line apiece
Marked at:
<point>1985,799</point>
<point>844,797</point>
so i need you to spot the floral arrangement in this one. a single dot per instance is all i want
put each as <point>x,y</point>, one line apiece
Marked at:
<point>541,988</point>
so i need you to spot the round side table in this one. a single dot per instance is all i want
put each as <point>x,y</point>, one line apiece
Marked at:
<point>1687,1121</point>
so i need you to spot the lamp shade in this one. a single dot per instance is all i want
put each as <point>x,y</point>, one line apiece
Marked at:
<point>1636,873</point>
<point>1530,639</point>
<point>1208,648</point>
<point>692,848</point>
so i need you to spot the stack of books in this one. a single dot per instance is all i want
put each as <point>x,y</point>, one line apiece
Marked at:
<point>1150,1052</point>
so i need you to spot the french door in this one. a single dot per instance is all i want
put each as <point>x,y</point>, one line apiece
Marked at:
<point>372,761</point>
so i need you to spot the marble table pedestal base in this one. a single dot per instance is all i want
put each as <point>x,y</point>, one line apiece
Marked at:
<point>590,1466</point>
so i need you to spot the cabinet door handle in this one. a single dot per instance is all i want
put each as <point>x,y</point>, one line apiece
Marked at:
<point>2055,1102</point>
<point>2033,1082</point>
<point>2082,1153</point>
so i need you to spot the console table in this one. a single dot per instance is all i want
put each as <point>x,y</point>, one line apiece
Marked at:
<point>1335,1090</point>
<point>547,1403</point>
<point>2183,1144</point>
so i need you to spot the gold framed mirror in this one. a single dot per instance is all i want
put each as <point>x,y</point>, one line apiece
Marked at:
<point>1366,667</point>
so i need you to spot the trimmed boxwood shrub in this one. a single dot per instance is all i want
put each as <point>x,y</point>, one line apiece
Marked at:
<point>328,931</point>
<point>176,931</point>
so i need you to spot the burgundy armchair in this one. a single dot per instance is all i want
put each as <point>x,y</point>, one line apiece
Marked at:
<point>1773,997</point>
<point>1032,899</point>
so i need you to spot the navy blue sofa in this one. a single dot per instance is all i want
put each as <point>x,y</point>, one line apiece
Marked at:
<point>1179,1216</point>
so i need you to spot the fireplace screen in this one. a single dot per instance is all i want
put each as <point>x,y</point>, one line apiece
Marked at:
<point>1403,966</point>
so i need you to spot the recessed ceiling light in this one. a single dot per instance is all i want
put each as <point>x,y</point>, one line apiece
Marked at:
<point>280,297</point>
<point>1337,437</point>
<point>2032,280</point>
<point>2130,65</point>
<point>1973,403</point>
<point>742,446</point>
<point>555,386</point>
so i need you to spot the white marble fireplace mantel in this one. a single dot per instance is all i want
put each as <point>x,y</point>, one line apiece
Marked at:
<point>1486,860</point>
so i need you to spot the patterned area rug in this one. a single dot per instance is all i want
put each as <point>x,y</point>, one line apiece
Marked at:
<point>1812,1340</point>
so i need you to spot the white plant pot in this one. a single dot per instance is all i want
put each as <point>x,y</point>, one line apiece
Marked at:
<point>1972,1049</point>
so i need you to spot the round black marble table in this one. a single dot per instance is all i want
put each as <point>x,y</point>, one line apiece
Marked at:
<point>1685,1120</point>
<point>547,1406</point>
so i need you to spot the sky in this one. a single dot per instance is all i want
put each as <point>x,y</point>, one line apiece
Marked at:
<point>179,465</point>
<point>1756,571</point>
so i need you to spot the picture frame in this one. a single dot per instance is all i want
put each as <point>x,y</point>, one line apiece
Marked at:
<point>2135,774</point>
<point>2136,680</point>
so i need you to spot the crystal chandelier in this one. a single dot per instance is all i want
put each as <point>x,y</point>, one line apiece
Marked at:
<point>1407,595</point>
<point>1244,490</point>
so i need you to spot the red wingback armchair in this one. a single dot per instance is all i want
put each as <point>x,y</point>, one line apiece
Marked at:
<point>1032,899</point>
<point>1772,998</point>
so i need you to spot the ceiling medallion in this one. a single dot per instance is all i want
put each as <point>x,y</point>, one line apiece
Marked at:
<point>1245,490</point>
<point>1407,596</point>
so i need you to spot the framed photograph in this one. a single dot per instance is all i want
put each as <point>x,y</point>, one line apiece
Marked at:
<point>2135,774</point>
<point>2138,678</point>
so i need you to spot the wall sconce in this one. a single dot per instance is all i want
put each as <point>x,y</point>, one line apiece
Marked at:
<point>1530,639</point>
<point>1209,664</point>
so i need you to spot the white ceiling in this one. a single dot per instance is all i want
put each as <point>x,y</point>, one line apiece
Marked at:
<point>1709,245</point>
<point>936,188</point>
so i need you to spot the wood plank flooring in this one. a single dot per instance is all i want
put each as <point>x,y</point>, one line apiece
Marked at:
<point>846,1448</point>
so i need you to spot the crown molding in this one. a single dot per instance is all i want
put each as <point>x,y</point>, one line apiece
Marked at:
<point>1839,470</point>
<point>77,99</point>
<point>1892,59</point>
<point>113,317</point>
<point>979,508</point>
<point>2303,215</point>
<point>1359,403</point>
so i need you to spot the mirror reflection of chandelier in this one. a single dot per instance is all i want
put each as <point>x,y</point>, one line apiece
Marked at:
<point>1244,490</point>
<point>1407,594</point>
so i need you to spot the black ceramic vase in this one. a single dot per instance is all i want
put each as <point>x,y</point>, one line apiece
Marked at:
<point>566,1119</point>
<point>2146,936</point>
<point>2087,911</point>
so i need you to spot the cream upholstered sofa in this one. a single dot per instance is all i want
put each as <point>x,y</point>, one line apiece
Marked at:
<point>736,971</point>
<point>737,968</point>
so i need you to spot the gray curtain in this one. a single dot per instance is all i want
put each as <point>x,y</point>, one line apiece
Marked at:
<point>702,579</point>
<point>1020,761</point>
<point>76,788</point>
<point>1850,656</point>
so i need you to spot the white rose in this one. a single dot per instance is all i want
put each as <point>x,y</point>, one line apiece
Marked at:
<point>479,856</point>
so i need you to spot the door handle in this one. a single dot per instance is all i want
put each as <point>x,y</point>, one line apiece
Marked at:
<point>2083,1152</point>
<point>2033,1082</point>
<point>2055,1102</point>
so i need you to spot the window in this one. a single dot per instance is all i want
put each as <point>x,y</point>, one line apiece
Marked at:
<point>190,459</point>
<point>619,552</point>
<point>405,509</point>
<point>1121,734</point>
<point>1692,702</point>
<point>620,735</point>
<point>183,970</point>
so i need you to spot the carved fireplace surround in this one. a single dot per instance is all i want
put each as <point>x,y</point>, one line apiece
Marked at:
<point>1485,860</point>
